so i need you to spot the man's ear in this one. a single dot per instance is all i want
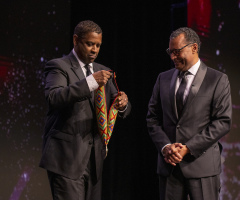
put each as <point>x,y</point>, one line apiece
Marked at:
<point>195,48</point>
<point>75,39</point>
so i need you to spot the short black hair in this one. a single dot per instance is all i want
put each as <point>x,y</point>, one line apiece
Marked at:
<point>190,35</point>
<point>85,27</point>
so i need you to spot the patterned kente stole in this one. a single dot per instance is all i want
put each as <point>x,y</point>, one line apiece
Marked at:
<point>105,120</point>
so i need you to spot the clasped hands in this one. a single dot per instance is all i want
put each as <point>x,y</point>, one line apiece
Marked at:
<point>102,78</point>
<point>174,153</point>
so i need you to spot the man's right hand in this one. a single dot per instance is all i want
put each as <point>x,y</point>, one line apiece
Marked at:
<point>172,153</point>
<point>102,77</point>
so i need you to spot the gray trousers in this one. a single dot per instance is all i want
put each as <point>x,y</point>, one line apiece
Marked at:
<point>177,187</point>
<point>87,187</point>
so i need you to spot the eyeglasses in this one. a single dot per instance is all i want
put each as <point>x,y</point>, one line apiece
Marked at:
<point>176,52</point>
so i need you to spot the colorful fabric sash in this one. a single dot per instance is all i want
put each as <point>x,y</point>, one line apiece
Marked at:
<point>105,121</point>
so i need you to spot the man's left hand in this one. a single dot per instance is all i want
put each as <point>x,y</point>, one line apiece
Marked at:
<point>175,152</point>
<point>122,101</point>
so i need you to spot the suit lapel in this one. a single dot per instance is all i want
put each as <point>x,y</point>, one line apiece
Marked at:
<point>76,67</point>
<point>197,82</point>
<point>79,73</point>
<point>96,67</point>
<point>172,92</point>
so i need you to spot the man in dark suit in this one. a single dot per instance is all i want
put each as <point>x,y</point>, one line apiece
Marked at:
<point>189,111</point>
<point>73,151</point>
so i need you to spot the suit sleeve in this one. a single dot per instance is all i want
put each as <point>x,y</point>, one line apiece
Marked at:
<point>126,112</point>
<point>59,92</point>
<point>220,120</point>
<point>155,118</point>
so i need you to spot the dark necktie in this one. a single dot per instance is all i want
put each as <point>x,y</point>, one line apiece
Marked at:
<point>88,72</point>
<point>180,92</point>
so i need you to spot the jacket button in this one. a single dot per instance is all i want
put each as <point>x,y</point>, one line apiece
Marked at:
<point>178,126</point>
<point>90,142</point>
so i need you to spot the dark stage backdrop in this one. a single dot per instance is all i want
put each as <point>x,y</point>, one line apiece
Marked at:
<point>135,36</point>
<point>32,32</point>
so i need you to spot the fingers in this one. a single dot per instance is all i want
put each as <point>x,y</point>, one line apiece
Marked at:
<point>122,100</point>
<point>102,77</point>
<point>173,158</point>
<point>172,154</point>
<point>180,145</point>
<point>174,150</point>
<point>169,161</point>
<point>176,158</point>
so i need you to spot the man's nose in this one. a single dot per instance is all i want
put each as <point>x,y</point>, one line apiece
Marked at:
<point>172,56</point>
<point>94,48</point>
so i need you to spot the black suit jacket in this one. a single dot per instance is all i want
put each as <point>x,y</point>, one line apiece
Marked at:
<point>206,118</point>
<point>70,129</point>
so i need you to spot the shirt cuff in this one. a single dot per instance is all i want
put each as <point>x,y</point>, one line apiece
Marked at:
<point>121,111</point>
<point>92,83</point>
<point>163,148</point>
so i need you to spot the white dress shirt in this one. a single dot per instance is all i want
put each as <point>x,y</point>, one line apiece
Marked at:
<point>189,78</point>
<point>92,83</point>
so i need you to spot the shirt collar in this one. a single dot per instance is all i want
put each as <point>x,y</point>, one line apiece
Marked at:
<point>79,61</point>
<point>193,70</point>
